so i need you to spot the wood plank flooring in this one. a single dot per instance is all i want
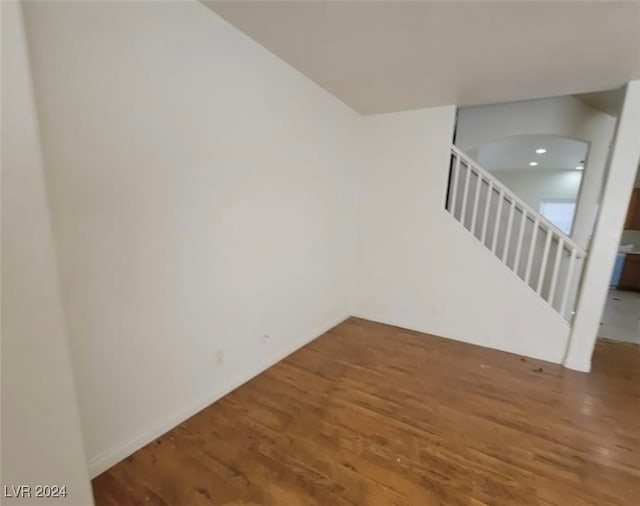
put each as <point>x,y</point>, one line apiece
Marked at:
<point>370,414</point>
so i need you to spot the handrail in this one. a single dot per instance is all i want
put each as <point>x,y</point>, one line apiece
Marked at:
<point>569,243</point>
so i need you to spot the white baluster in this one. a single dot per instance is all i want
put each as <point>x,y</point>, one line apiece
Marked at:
<point>487,206</point>
<point>505,249</point>
<point>496,225</point>
<point>523,224</point>
<point>454,184</point>
<point>474,213</point>
<point>545,258</point>
<point>465,193</point>
<point>567,282</point>
<point>532,248</point>
<point>556,267</point>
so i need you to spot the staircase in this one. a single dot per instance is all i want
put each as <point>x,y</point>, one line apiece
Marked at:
<point>547,260</point>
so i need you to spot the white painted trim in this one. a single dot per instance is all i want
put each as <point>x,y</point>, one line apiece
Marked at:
<point>111,456</point>
<point>440,335</point>
<point>623,166</point>
<point>577,366</point>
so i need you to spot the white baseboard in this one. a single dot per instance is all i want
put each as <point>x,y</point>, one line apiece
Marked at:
<point>552,358</point>
<point>123,449</point>
<point>578,365</point>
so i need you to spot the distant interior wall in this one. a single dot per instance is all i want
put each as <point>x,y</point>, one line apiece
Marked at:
<point>534,186</point>
<point>482,124</point>
<point>41,435</point>
<point>564,116</point>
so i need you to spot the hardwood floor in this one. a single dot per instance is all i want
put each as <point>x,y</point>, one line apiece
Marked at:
<point>370,414</point>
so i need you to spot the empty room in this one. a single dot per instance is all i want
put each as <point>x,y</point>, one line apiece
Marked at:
<point>324,253</point>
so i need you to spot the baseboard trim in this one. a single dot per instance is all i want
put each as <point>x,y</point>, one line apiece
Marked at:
<point>578,365</point>
<point>444,335</point>
<point>118,452</point>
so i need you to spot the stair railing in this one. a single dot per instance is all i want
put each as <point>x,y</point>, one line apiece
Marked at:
<point>538,252</point>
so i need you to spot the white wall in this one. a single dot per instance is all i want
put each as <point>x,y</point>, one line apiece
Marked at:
<point>600,262</point>
<point>417,267</point>
<point>483,124</point>
<point>534,186</point>
<point>563,116</point>
<point>201,193</point>
<point>41,435</point>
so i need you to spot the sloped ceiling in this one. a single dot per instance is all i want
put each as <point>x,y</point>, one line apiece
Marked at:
<point>609,101</point>
<point>396,55</point>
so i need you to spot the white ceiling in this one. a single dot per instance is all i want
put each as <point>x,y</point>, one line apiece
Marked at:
<point>396,55</point>
<point>515,153</point>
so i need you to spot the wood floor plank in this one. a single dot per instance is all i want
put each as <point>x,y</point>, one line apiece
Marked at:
<point>371,414</point>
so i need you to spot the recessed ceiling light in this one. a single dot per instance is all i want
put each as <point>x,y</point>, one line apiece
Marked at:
<point>541,151</point>
<point>580,167</point>
<point>533,164</point>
